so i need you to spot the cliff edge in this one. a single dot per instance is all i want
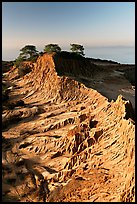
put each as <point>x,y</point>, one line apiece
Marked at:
<point>66,141</point>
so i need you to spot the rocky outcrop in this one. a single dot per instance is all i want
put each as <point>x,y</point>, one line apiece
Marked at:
<point>68,143</point>
<point>74,66</point>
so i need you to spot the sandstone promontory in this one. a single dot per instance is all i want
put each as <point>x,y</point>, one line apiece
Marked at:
<point>68,132</point>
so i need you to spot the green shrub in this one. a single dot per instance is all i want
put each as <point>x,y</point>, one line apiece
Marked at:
<point>52,48</point>
<point>33,58</point>
<point>18,62</point>
<point>6,65</point>
<point>78,49</point>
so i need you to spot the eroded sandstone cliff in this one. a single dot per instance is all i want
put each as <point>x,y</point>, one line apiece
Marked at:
<point>66,142</point>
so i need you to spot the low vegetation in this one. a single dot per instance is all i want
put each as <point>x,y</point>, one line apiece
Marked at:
<point>78,49</point>
<point>30,53</point>
<point>52,48</point>
<point>6,65</point>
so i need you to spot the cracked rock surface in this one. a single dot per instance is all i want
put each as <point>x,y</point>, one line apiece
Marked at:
<point>66,142</point>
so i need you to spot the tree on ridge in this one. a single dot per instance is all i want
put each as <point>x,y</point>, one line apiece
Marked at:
<point>52,48</point>
<point>28,51</point>
<point>78,49</point>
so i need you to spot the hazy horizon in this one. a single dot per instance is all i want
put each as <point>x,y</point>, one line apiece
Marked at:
<point>91,24</point>
<point>121,54</point>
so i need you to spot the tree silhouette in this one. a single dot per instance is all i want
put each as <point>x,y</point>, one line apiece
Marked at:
<point>52,48</point>
<point>28,51</point>
<point>78,49</point>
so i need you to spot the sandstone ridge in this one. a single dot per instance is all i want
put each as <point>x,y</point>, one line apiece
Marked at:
<point>66,142</point>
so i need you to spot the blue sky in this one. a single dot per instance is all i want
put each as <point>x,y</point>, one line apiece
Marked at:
<point>88,23</point>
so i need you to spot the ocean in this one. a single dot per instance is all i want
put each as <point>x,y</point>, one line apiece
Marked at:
<point>123,55</point>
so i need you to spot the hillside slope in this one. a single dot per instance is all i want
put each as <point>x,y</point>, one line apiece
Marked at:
<point>66,142</point>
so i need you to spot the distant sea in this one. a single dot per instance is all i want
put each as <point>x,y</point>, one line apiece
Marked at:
<point>123,55</point>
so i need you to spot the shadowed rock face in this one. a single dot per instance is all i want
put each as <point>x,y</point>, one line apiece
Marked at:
<point>66,142</point>
<point>130,75</point>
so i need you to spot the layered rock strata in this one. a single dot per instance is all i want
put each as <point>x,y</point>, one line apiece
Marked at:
<point>67,142</point>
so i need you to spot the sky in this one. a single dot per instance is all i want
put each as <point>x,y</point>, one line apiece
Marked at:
<point>91,24</point>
